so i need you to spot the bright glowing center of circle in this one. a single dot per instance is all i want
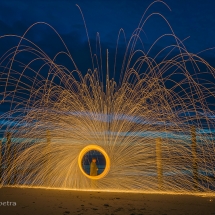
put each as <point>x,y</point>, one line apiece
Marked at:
<point>97,148</point>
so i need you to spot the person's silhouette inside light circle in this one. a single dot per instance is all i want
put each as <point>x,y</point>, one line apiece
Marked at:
<point>93,163</point>
<point>93,167</point>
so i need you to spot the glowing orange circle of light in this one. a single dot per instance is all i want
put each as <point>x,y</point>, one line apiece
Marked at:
<point>97,148</point>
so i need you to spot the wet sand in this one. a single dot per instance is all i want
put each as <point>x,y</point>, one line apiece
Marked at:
<point>64,202</point>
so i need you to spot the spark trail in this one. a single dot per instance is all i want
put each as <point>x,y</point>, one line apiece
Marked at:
<point>156,123</point>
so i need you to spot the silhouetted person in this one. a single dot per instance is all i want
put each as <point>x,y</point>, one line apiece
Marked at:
<point>93,167</point>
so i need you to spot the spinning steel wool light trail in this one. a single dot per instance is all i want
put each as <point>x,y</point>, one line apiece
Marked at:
<point>154,126</point>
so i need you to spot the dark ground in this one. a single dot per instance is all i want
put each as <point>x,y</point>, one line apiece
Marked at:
<point>62,202</point>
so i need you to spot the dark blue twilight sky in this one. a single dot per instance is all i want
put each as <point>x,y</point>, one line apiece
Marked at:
<point>194,18</point>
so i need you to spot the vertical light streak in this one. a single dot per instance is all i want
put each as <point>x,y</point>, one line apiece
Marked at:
<point>159,163</point>
<point>194,157</point>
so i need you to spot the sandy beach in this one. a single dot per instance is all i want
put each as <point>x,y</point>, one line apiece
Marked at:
<point>24,201</point>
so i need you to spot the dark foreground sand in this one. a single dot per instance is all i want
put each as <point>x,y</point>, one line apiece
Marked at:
<point>62,202</point>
